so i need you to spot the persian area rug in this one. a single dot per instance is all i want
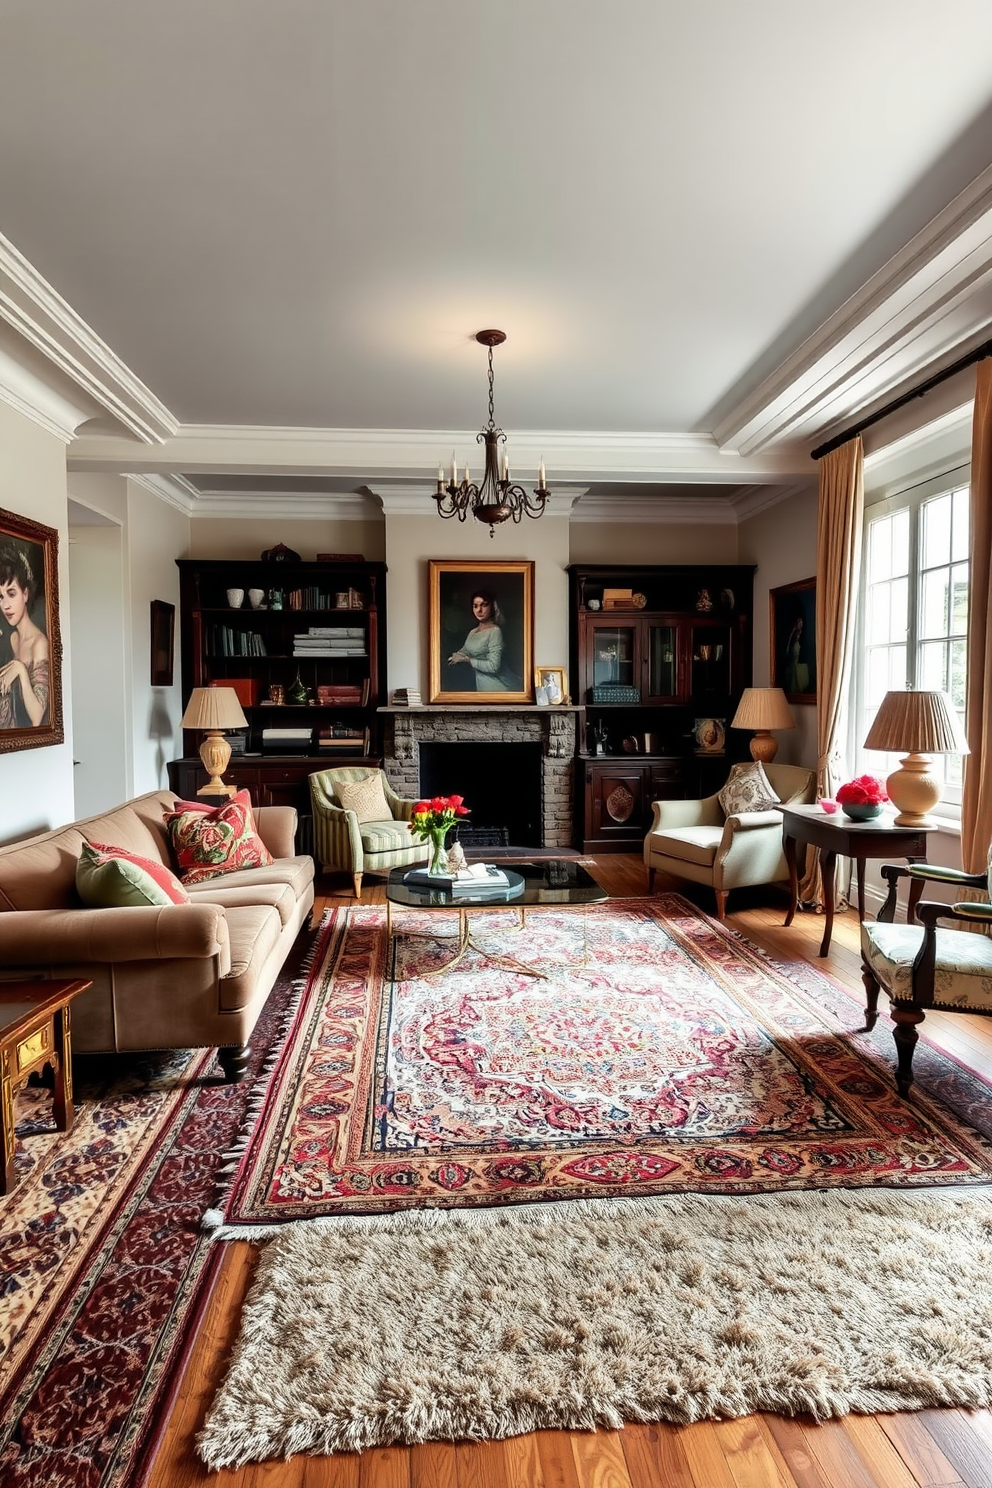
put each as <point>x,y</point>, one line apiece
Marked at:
<point>102,1253</point>
<point>663,1053</point>
<point>570,1316</point>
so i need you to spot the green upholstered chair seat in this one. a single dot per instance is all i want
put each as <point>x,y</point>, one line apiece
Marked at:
<point>963,971</point>
<point>693,844</point>
<point>388,837</point>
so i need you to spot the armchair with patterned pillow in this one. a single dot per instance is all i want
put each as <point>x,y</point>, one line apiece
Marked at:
<point>360,824</point>
<point>733,839</point>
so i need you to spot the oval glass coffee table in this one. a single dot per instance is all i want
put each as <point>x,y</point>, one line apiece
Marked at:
<point>557,881</point>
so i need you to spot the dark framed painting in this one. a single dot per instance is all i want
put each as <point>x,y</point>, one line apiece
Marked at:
<point>163,631</point>
<point>30,639</point>
<point>481,626</point>
<point>793,640</point>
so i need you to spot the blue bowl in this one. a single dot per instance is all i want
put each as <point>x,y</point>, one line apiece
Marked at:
<point>867,812</point>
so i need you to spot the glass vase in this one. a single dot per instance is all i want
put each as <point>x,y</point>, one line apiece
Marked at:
<point>439,856</point>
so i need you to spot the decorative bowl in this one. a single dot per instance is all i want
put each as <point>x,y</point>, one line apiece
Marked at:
<point>867,811</point>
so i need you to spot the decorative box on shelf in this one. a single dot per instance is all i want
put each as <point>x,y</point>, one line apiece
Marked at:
<point>245,687</point>
<point>615,692</point>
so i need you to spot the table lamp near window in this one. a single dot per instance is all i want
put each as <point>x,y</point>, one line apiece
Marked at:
<point>922,724</point>
<point>214,709</point>
<point>762,709</point>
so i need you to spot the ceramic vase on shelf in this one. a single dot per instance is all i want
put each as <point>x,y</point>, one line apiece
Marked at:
<point>255,598</point>
<point>235,598</point>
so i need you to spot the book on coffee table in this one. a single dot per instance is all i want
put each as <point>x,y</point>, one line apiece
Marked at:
<point>474,880</point>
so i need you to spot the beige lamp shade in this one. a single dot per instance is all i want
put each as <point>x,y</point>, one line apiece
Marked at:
<point>921,723</point>
<point>762,709</point>
<point>214,709</point>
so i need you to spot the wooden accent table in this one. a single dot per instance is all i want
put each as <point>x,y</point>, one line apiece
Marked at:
<point>34,1031</point>
<point>879,838</point>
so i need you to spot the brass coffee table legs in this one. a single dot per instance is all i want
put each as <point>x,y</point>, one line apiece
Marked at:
<point>465,942</point>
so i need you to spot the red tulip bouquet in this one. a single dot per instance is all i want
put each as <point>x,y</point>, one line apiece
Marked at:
<point>862,798</point>
<point>432,821</point>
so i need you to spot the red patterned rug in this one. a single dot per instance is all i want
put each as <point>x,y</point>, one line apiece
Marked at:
<point>103,1255</point>
<point>663,1053</point>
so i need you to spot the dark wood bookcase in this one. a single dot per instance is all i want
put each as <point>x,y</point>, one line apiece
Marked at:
<point>659,667</point>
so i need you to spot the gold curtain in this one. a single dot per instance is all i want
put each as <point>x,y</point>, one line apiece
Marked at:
<point>976,810</point>
<point>839,530</point>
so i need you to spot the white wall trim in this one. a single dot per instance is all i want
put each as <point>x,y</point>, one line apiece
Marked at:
<point>339,506</point>
<point>933,297</point>
<point>702,511</point>
<point>939,445</point>
<point>748,504</point>
<point>172,489</point>
<point>39,313</point>
<point>31,396</point>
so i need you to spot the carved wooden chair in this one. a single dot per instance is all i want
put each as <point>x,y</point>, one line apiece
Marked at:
<point>921,967</point>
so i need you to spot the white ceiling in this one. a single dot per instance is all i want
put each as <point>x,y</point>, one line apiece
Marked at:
<point>296,215</point>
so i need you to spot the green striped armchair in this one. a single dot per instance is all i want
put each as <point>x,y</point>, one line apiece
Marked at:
<point>341,841</point>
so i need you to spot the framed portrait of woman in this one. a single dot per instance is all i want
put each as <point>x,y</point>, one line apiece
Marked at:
<point>793,640</point>
<point>481,626</point>
<point>30,642</point>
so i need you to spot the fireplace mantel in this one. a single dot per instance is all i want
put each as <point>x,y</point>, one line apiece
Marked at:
<point>555,728</point>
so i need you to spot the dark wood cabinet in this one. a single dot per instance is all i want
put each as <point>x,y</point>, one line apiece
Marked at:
<point>659,658</point>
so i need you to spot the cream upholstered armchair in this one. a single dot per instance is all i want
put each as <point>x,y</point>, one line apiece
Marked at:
<point>920,967</point>
<point>698,841</point>
<point>354,840</point>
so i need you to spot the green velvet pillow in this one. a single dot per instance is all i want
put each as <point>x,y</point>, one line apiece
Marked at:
<point>105,882</point>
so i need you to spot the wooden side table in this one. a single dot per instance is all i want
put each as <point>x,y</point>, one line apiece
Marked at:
<point>879,838</point>
<point>34,1031</point>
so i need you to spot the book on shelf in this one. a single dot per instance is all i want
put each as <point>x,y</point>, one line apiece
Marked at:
<point>286,735</point>
<point>474,880</point>
<point>406,697</point>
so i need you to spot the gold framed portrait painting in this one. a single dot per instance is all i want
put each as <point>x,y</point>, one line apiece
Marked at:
<point>30,640</point>
<point>481,628</point>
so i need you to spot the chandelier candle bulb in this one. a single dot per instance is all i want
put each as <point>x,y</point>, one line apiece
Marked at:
<point>541,477</point>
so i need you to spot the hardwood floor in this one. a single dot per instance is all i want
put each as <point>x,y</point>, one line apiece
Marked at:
<point>926,1449</point>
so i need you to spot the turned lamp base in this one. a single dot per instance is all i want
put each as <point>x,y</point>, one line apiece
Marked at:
<point>215,752</point>
<point>914,790</point>
<point>764,746</point>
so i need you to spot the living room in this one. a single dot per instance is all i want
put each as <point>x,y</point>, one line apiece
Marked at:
<point>711,255</point>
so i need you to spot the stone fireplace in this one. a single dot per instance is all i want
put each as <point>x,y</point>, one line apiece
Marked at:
<point>554,729</point>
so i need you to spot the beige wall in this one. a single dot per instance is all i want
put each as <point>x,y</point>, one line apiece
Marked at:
<point>249,537</point>
<point>782,542</point>
<point>36,784</point>
<point>412,541</point>
<point>653,542</point>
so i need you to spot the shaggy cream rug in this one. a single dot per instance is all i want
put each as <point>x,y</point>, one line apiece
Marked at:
<point>433,1325</point>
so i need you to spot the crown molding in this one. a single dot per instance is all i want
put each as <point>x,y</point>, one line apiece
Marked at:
<point>38,312</point>
<point>943,444</point>
<point>33,397</point>
<point>171,489</point>
<point>747,504</point>
<point>704,511</point>
<point>930,300</point>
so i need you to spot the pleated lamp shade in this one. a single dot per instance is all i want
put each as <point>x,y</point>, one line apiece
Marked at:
<point>762,709</point>
<point>921,723</point>
<point>214,709</point>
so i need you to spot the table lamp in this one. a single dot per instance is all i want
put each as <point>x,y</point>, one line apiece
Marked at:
<point>921,723</point>
<point>214,709</point>
<point>763,708</point>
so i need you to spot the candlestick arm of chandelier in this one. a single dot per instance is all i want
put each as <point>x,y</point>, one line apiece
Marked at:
<point>496,499</point>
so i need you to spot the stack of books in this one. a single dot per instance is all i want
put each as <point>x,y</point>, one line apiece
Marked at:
<point>331,640</point>
<point>286,740</point>
<point>337,738</point>
<point>481,878</point>
<point>407,697</point>
<point>343,695</point>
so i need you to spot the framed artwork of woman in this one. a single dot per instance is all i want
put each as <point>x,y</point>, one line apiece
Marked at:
<point>481,627</point>
<point>793,640</point>
<point>30,641</point>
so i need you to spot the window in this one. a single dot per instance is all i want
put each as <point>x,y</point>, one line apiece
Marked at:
<point>916,610</point>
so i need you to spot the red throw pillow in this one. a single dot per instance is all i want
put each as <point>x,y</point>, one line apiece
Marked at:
<point>211,840</point>
<point>163,876</point>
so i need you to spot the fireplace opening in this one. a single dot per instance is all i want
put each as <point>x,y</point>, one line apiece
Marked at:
<point>501,784</point>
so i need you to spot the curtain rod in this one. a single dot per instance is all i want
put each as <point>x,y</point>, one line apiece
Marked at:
<point>978,355</point>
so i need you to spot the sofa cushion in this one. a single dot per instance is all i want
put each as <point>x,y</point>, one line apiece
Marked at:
<point>211,841</point>
<point>691,844</point>
<point>123,828</point>
<point>277,896</point>
<point>747,789</point>
<point>254,930</point>
<point>109,878</point>
<point>41,874</point>
<point>296,872</point>
<point>365,798</point>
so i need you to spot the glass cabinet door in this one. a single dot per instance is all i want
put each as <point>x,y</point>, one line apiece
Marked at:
<point>710,652</point>
<point>663,655</point>
<point>613,656</point>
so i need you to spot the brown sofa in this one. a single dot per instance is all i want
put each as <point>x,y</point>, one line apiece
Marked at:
<point>183,976</point>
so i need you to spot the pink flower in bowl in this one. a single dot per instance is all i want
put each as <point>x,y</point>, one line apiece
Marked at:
<point>828,804</point>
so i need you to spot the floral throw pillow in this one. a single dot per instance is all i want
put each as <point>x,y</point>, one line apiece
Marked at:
<point>747,789</point>
<point>209,841</point>
<point>110,878</point>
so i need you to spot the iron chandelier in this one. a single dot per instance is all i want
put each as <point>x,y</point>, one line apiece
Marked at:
<point>496,499</point>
